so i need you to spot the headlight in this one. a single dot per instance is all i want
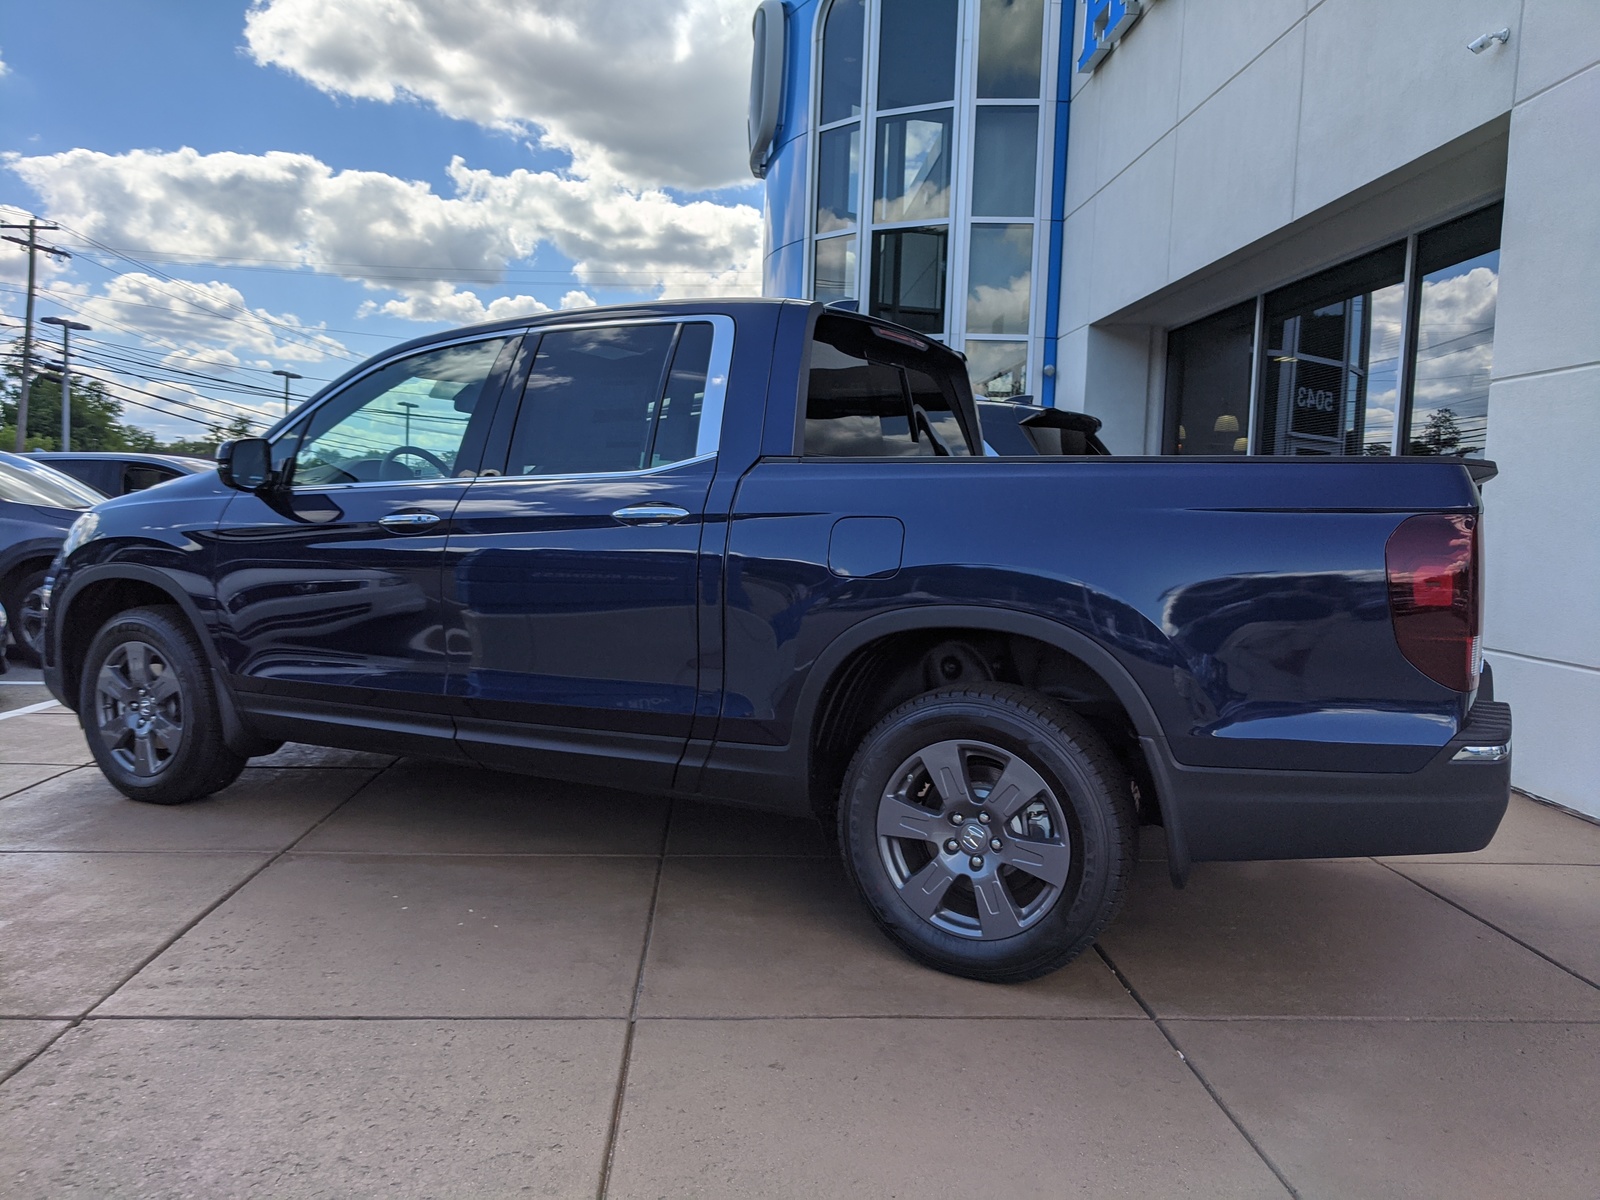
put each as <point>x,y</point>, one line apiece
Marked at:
<point>83,529</point>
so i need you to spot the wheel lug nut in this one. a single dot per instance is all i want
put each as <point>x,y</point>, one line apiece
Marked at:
<point>975,862</point>
<point>994,843</point>
<point>952,846</point>
<point>984,817</point>
<point>956,818</point>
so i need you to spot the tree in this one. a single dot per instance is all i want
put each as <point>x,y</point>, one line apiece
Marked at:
<point>217,432</point>
<point>1440,435</point>
<point>96,423</point>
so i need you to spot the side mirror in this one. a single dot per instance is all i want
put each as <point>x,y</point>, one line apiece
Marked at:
<point>245,463</point>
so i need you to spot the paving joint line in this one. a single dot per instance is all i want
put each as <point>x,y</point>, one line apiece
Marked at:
<point>1506,933</point>
<point>87,1014</point>
<point>615,1125</point>
<point>1195,1071</point>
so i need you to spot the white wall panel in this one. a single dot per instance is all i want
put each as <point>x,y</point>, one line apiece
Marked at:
<point>1234,179</point>
<point>1554,708</point>
<point>1221,37</point>
<point>1387,82</point>
<point>1548,312</point>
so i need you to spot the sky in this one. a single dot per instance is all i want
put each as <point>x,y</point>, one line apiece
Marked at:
<point>250,185</point>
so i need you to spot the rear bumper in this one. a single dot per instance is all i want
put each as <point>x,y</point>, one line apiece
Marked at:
<point>1452,805</point>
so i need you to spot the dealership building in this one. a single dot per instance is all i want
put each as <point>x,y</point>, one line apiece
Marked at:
<point>1252,227</point>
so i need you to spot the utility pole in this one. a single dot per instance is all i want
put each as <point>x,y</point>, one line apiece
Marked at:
<point>66,373</point>
<point>32,246</point>
<point>287,375</point>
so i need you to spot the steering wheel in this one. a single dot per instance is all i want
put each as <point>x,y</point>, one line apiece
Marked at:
<point>426,455</point>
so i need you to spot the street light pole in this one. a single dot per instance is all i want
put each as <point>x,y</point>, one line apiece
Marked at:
<point>287,375</point>
<point>66,373</point>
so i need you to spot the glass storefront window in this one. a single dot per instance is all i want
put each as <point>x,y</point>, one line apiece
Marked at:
<point>1010,49</point>
<point>1460,268</point>
<point>1330,380</point>
<point>838,178</point>
<point>1000,279</point>
<point>1208,383</point>
<point>908,277</point>
<point>913,167</point>
<point>999,370</point>
<point>842,41</point>
<point>1004,180</point>
<point>1366,358</point>
<point>834,270</point>
<point>916,52</point>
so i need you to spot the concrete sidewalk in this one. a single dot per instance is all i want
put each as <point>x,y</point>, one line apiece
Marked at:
<point>347,976</point>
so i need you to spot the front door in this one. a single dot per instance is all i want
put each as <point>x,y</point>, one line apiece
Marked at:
<point>328,585</point>
<point>571,583</point>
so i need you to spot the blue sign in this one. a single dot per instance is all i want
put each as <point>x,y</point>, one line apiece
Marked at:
<point>1104,24</point>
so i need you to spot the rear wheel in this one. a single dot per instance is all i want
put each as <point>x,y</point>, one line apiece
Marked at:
<point>990,831</point>
<point>149,712</point>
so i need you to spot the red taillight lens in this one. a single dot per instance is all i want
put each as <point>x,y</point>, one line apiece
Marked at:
<point>1434,582</point>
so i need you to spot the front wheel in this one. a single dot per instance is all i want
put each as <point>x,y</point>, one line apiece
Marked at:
<point>148,710</point>
<point>24,606</point>
<point>989,830</point>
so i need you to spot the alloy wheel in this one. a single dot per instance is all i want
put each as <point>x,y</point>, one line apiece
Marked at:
<point>139,708</point>
<point>975,839</point>
<point>30,621</point>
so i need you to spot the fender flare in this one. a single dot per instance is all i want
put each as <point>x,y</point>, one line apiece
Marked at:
<point>1152,738</point>
<point>235,734</point>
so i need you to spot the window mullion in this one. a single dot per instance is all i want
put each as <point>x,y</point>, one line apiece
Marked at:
<point>1408,338</point>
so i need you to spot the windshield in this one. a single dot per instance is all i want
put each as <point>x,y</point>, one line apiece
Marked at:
<point>25,482</point>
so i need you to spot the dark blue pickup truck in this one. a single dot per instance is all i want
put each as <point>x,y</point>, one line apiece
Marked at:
<point>752,551</point>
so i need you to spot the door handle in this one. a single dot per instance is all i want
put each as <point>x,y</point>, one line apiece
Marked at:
<point>409,522</point>
<point>650,514</point>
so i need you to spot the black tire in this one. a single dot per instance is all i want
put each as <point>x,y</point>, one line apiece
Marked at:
<point>149,712</point>
<point>1058,847</point>
<point>25,616</point>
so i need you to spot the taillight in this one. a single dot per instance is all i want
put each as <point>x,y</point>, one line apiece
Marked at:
<point>1435,596</point>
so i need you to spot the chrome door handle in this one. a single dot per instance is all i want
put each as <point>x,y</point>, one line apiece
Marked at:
<point>650,514</point>
<point>409,522</point>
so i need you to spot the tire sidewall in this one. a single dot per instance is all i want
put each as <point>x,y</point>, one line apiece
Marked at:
<point>14,602</point>
<point>200,719</point>
<point>1047,746</point>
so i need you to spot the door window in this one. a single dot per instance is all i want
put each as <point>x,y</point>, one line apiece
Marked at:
<point>609,399</point>
<point>408,420</point>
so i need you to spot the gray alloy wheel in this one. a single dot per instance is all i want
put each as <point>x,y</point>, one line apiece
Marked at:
<point>30,620</point>
<point>139,709</point>
<point>974,839</point>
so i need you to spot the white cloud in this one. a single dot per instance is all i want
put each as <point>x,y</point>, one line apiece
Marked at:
<point>651,92</point>
<point>4,70</point>
<point>441,303</point>
<point>395,234</point>
<point>577,299</point>
<point>204,316</point>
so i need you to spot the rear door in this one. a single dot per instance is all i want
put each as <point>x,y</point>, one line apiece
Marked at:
<point>571,584</point>
<point>328,587</point>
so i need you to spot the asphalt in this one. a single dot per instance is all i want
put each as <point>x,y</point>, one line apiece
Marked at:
<point>348,975</point>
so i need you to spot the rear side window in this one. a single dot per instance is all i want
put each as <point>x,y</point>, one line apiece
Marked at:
<point>143,475</point>
<point>868,397</point>
<point>620,398</point>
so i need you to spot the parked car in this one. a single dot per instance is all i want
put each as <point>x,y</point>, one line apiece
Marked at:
<point>1016,428</point>
<point>116,473</point>
<point>750,551</point>
<point>37,507</point>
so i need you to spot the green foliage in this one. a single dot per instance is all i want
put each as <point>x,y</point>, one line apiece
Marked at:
<point>96,416</point>
<point>1440,434</point>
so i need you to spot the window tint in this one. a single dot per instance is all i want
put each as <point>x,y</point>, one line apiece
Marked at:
<point>407,420</point>
<point>863,401</point>
<point>139,476</point>
<point>678,426</point>
<point>604,400</point>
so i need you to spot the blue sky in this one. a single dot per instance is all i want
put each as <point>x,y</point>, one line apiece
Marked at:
<point>300,183</point>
